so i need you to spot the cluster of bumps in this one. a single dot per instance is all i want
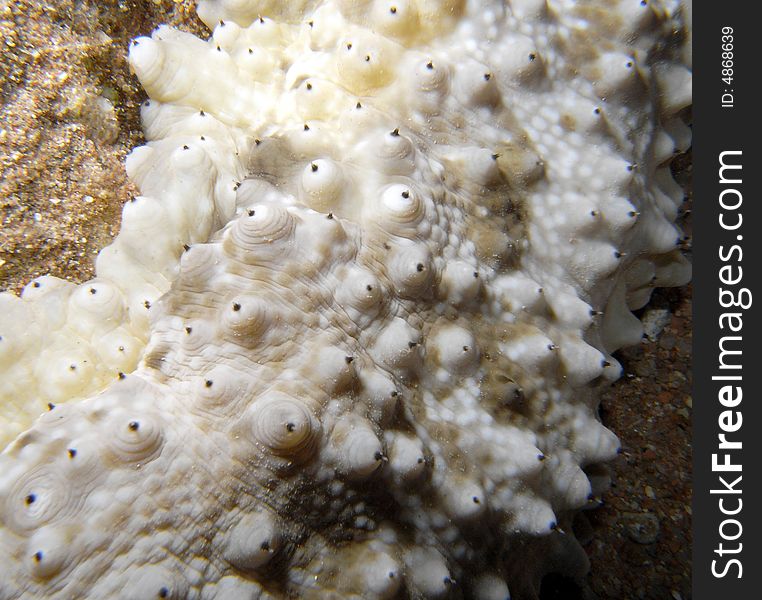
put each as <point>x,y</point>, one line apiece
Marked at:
<point>348,341</point>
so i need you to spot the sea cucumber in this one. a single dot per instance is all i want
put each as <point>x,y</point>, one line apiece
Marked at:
<point>350,337</point>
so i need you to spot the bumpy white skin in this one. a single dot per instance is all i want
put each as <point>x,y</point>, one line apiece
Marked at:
<point>372,372</point>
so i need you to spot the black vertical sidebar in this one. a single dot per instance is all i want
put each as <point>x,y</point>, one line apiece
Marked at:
<point>727,408</point>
